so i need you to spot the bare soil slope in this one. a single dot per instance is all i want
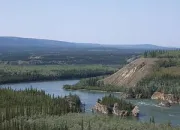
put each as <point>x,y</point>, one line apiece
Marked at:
<point>130,74</point>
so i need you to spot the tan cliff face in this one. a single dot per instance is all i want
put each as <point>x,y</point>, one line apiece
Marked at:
<point>132,73</point>
<point>165,97</point>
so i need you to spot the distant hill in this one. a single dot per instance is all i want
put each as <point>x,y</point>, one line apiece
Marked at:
<point>28,43</point>
<point>141,46</point>
<point>17,43</point>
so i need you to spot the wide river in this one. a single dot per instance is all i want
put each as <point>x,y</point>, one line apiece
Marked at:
<point>148,108</point>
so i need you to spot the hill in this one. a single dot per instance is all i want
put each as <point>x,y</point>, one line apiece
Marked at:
<point>132,73</point>
<point>18,43</point>
<point>142,46</point>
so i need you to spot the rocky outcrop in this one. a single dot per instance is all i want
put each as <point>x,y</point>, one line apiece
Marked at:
<point>135,111</point>
<point>118,112</point>
<point>114,110</point>
<point>167,98</point>
<point>100,108</point>
<point>164,104</point>
<point>158,96</point>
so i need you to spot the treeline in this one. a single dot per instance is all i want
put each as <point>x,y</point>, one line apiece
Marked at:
<point>166,83</point>
<point>32,102</point>
<point>12,73</point>
<point>94,83</point>
<point>165,79</point>
<point>111,100</point>
<point>162,54</point>
<point>71,56</point>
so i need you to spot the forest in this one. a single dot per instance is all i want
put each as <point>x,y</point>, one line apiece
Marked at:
<point>14,73</point>
<point>31,102</point>
<point>72,56</point>
<point>175,53</point>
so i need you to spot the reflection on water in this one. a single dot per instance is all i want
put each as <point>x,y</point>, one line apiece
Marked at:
<point>148,108</point>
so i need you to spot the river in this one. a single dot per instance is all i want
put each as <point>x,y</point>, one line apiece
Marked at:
<point>148,108</point>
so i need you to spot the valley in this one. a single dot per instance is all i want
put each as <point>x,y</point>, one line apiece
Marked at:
<point>109,82</point>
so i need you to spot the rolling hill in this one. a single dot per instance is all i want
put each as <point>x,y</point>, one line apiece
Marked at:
<point>18,43</point>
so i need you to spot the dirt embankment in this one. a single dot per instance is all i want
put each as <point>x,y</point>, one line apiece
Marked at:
<point>132,73</point>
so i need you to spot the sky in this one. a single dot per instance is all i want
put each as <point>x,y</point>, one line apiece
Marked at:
<point>93,21</point>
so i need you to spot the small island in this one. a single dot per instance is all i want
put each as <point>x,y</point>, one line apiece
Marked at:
<point>113,105</point>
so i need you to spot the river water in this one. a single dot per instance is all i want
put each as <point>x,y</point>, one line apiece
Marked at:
<point>148,108</point>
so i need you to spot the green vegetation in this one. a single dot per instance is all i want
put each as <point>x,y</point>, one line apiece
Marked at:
<point>80,122</point>
<point>162,54</point>
<point>122,104</point>
<point>70,56</point>
<point>159,81</point>
<point>31,102</point>
<point>94,83</point>
<point>165,78</point>
<point>13,73</point>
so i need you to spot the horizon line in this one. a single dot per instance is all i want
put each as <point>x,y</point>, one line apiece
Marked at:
<point>90,42</point>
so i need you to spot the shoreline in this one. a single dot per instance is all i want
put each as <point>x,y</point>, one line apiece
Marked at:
<point>40,81</point>
<point>94,90</point>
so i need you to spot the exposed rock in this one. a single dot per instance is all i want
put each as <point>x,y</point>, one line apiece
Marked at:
<point>135,111</point>
<point>158,96</point>
<point>165,97</point>
<point>100,108</point>
<point>118,112</point>
<point>123,113</point>
<point>126,95</point>
<point>132,73</point>
<point>165,104</point>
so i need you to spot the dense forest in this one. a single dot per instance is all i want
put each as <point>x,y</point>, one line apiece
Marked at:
<point>162,53</point>
<point>69,57</point>
<point>14,73</point>
<point>31,102</point>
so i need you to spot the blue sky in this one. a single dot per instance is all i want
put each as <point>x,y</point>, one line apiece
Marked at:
<point>93,21</point>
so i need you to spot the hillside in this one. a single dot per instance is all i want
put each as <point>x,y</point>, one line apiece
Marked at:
<point>18,43</point>
<point>132,73</point>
